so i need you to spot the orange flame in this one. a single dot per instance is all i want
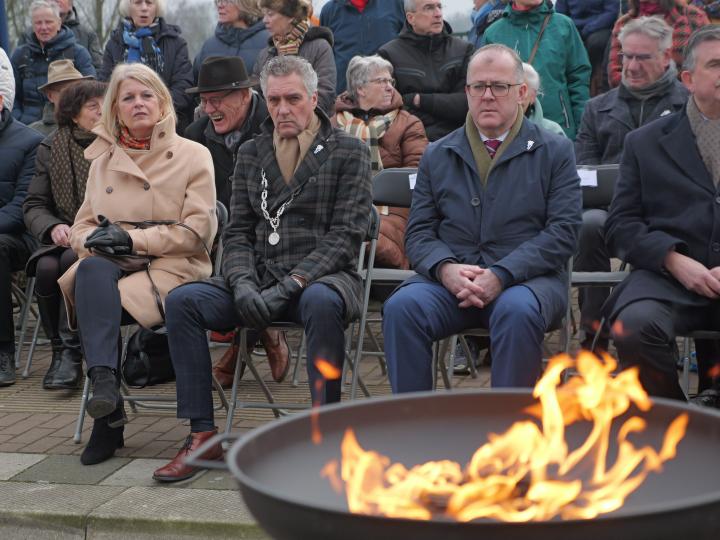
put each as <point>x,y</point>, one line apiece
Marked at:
<point>714,371</point>
<point>329,372</point>
<point>527,473</point>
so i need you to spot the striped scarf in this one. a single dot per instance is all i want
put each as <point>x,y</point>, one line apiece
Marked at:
<point>290,42</point>
<point>370,131</point>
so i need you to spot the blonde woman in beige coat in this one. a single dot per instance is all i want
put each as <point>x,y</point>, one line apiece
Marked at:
<point>141,171</point>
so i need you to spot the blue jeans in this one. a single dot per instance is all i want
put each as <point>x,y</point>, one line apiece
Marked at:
<point>423,312</point>
<point>196,307</point>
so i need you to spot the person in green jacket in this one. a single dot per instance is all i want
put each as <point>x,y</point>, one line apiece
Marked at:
<point>561,59</point>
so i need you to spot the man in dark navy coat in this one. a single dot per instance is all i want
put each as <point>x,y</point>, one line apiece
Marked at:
<point>494,219</point>
<point>665,222</point>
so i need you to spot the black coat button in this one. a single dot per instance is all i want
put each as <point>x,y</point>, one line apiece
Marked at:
<point>109,189</point>
<point>475,201</point>
<point>312,180</point>
<point>146,186</point>
<point>716,247</point>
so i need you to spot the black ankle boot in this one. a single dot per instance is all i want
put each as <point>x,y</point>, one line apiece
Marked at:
<point>68,371</point>
<point>106,437</point>
<point>49,308</point>
<point>105,394</point>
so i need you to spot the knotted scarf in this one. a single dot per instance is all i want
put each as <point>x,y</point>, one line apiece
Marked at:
<point>370,130</point>
<point>128,141</point>
<point>290,42</point>
<point>142,47</point>
<point>69,169</point>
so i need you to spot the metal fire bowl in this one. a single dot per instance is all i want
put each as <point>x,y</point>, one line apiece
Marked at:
<point>278,470</point>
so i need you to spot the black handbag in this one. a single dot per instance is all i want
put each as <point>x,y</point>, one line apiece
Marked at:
<point>147,359</point>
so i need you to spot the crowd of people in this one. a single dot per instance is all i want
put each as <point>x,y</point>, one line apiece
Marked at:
<point>115,158</point>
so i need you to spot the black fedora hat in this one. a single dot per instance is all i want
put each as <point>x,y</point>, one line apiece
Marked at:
<point>222,73</point>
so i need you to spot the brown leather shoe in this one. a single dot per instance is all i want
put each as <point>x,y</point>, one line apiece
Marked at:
<point>278,353</point>
<point>177,469</point>
<point>225,367</point>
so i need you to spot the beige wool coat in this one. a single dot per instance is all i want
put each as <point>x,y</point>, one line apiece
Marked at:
<point>174,180</point>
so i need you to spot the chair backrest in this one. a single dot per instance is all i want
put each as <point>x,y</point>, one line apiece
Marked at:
<point>598,184</point>
<point>222,217</point>
<point>394,187</point>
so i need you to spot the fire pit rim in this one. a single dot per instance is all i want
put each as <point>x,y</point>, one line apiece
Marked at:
<point>639,509</point>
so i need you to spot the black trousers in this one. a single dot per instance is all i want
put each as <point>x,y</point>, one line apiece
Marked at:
<point>646,335</point>
<point>15,249</point>
<point>99,312</point>
<point>592,256</point>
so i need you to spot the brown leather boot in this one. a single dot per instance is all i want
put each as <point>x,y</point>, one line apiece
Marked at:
<point>177,469</point>
<point>278,353</point>
<point>225,367</point>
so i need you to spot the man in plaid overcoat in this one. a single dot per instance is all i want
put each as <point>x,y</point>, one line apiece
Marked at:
<point>300,208</point>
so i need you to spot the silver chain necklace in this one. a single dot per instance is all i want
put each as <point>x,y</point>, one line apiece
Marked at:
<point>274,237</point>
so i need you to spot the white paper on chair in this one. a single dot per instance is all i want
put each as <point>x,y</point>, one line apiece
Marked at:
<point>588,177</point>
<point>412,178</point>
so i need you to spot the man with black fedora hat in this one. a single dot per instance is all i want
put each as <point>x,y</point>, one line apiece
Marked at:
<point>233,114</point>
<point>61,74</point>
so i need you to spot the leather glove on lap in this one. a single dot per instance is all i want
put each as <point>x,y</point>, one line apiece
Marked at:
<point>110,237</point>
<point>278,297</point>
<point>251,307</point>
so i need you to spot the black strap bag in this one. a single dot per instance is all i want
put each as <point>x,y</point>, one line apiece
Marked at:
<point>147,359</point>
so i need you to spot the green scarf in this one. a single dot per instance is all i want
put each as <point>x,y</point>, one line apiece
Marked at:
<point>482,159</point>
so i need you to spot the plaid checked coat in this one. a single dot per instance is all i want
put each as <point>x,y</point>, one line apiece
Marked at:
<point>320,231</point>
<point>683,19</point>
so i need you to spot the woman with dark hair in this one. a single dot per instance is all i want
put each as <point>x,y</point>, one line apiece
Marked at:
<point>143,36</point>
<point>291,33</point>
<point>240,31</point>
<point>54,197</point>
<point>682,18</point>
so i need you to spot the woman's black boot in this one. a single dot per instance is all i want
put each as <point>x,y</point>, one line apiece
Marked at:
<point>105,392</point>
<point>105,439</point>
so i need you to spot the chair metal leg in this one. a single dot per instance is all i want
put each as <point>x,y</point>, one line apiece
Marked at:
<point>376,344</point>
<point>686,366</point>
<point>236,380</point>
<point>81,415</point>
<point>31,352</point>
<point>24,316</point>
<point>298,356</point>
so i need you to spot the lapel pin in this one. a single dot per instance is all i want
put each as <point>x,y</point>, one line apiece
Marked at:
<point>318,149</point>
<point>530,144</point>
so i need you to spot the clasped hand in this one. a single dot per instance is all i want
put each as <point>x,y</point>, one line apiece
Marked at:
<point>110,238</point>
<point>258,309</point>
<point>472,285</point>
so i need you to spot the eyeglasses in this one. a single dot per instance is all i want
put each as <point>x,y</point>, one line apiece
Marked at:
<point>382,81</point>
<point>215,101</point>
<point>638,57</point>
<point>497,89</point>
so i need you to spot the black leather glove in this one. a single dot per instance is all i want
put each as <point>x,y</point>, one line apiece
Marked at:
<point>278,297</point>
<point>110,238</point>
<point>251,307</point>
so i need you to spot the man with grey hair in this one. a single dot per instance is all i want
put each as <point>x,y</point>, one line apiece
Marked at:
<point>664,221</point>
<point>430,66</point>
<point>494,220</point>
<point>301,204</point>
<point>649,90</point>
